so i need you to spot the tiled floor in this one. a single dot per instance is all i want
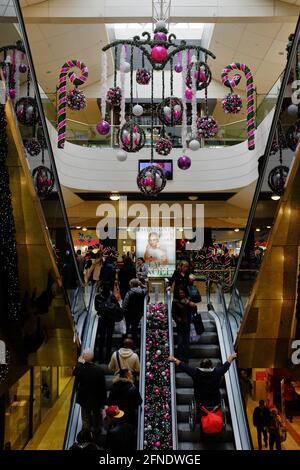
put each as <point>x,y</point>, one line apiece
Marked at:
<point>50,435</point>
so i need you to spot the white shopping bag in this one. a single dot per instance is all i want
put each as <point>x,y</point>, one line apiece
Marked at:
<point>120,327</point>
<point>193,335</point>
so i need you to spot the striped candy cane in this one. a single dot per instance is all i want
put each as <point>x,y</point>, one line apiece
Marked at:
<point>62,94</point>
<point>231,83</point>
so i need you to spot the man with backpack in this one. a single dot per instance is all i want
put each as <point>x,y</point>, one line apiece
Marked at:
<point>109,312</point>
<point>133,307</point>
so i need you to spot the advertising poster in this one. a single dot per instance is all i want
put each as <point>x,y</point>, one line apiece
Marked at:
<point>157,247</point>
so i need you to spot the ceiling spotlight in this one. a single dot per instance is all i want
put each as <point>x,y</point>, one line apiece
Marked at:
<point>236,229</point>
<point>84,229</point>
<point>257,229</point>
<point>268,226</point>
<point>78,227</point>
<point>180,229</point>
<point>114,197</point>
<point>193,198</point>
<point>275,197</point>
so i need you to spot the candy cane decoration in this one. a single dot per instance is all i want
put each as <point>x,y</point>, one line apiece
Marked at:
<point>231,83</point>
<point>62,94</point>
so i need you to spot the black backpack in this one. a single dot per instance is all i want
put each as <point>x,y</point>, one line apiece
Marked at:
<point>108,307</point>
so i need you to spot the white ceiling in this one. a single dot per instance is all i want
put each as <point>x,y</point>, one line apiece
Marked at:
<point>7,8</point>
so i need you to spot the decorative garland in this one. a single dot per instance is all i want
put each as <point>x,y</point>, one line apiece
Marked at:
<point>232,104</point>
<point>157,406</point>
<point>62,94</point>
<point>76,99</point>
<point>207,127</point>
<point>143,76</point>
<point>8,250</point>
<point>231,83</point>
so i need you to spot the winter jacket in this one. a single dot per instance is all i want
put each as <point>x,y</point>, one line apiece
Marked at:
<point>120,438</point>
<point>128,360</point>
<point>142,272</point>
<point>127,397</point>
<point>90,383</point>
<point>133,304</point>
<point>179,280</point>
<point>125,275</point>
<point>181,312</point>
<point>108,272</point>
<point>206,383</point>
<point>261,417</point>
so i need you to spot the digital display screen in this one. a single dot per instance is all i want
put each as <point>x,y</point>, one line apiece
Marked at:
<point>165,165</point>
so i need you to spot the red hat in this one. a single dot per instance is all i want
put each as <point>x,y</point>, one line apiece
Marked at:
<point>113,411</point>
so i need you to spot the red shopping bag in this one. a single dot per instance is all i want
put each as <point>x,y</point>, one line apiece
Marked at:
<point>212,421</point>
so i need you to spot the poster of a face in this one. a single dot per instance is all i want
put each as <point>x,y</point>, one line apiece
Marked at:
<point>158,248</point>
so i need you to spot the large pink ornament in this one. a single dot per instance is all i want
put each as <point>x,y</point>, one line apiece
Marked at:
<point>159,54</point>
<point>160,36</point>
<point>184,162</point>
<point>188,94</point>
<point>103,127</point>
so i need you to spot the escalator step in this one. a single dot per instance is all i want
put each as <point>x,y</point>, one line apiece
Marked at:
<point>186,435</point>
<point>185,395</point>
<point>183,413</point>
<point>195,362</point>
<point>204,351</point>
<point>208,337</point>
<point>206,446</point>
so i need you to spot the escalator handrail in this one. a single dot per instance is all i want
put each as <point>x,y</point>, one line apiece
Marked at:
<point>172,373</point>
<point>266,154</point>
<point>140,439</point>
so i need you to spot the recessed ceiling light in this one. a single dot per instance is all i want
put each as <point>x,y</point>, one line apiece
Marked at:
<point>257,229</point>
<point>275,197</point>
<point>236,229</point>
<point>78,227</point>
<point>84,229</point>
<point>193,198</point>
<point>114,197</point>
<point>268,226</point>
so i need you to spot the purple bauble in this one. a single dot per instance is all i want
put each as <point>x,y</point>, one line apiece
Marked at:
<point>159,53</point>
<point>188,94</point>
<point>184,162</point>
<point>12,93</point>
<point>103,127</point>
<point>22,68</point>
<point>178,68</point>
<point>160,36</point>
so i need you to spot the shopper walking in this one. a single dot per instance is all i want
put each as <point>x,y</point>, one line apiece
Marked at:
<point>127,272</point>
<point>274,430</point>
<point>290,399</point>
<point>180,278</point>
<point>261,418</point>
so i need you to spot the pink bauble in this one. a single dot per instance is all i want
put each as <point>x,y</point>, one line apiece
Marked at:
<point>160,36</point>
<point>178,68</point>
<point>157,444</point>
<point>188,94</point>
<point>12,93</point>
<point>148,182</point>
<point>200,75</point>
<point>159,53</point>
<point>103,127</point>
<point>184,162</point>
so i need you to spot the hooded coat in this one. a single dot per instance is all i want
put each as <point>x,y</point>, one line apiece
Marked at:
<point>128,360</point>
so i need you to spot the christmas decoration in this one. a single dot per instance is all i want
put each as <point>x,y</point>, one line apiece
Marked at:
<point>62,94</point>
<point>113,96</point>
<point>160,36</point>
<point>157,405</point>
<point>169,111</point>
<point>293,110</point>
<point>159,54</point>
<point>188,94</point>
<point>76,99</point>
<point>131,137</point>
<point>194,145</point>
<point>178,68</point>
<point>201,73</point>
<point>184,162</point>
<point>143,76</point>
<point>27,111</point>
<point>110,252</point>
<point>277,178</point>
<point>33,147</point>
<point>4,363</point>
<point>151,180</point>
<point>232,104</point>
<point>121,155</point>
<point>293,136</point>
<point>207,127</point>
<point>43,180</point>
<point>231,83</point>
<point>103,127</point>
<point>22,68</point>
<point>9,261</point>
<point>137,110</point>
<point>163,146</point>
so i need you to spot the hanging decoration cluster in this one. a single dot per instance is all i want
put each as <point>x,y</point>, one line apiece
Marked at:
<point>232,104</point>
<point>13,66</point>
<point>8,249</point>
<point>157,406</point>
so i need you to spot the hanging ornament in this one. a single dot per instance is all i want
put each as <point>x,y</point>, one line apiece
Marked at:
<point>194,145</point>
<point>76,99</point>
<point>43,180</point>
<point>121,155</point>
<point>113,96</point>
<point>232,104</point>
<point>293,136</point>
<point>22,68</point>
<point>160,36</point>
<point>131,137</point>
<point>163,146</point>
<point>169,111</point>
<point>293,110</point>
<point>137,110</point>
<point>151,180</point>
<point>178,68</point>
<point>188,94</point>
<point>125,67</point>
<point>277,178</point>
<point>12,93</point>
<point>201,73</point>
<point>159,54</point>
<point>207,127</point>
<point>143,76</point>
<point>184,162</point>
<point>33,147</point>
<point>103,127</point>
<point>27,111</point>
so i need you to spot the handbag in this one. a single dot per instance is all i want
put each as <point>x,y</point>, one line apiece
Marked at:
<point>198,324</point>
<point>194,294</point>
<point>212,421</point>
